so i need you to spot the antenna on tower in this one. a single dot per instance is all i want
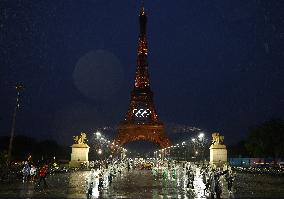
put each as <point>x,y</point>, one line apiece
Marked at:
<point>142,7</point>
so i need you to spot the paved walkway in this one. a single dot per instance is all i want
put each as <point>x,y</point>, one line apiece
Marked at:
<point>142,184</point>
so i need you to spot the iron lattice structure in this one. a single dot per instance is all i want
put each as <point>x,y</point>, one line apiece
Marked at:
<point>141,120</point>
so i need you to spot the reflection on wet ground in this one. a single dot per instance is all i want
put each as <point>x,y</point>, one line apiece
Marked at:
<point>143,184</point>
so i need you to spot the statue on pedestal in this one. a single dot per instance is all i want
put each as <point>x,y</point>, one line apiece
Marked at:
<point>80,151</point>
<point>218,151</point>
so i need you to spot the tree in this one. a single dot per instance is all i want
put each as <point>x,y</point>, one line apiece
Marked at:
<point>266,139</point>
<point>238,149</point>
<point>3,158</point>
<point>25,146</point>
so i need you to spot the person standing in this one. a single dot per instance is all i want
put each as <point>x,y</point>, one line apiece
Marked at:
<point>190,178</point>
<point>101,182</point>
<point>206,181</point>
<point>42,175</point>
<point>230,178</point>
<point>90,182</point>
<point>212,184</point>
<point>90,190</point>
<point>32,172</point>
<point>218,185</point>
<point>26,171</point>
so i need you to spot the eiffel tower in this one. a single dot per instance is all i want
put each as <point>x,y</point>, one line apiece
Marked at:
<point>141,120</point>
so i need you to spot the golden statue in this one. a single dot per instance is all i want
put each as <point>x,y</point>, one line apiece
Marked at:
<point>217,139</point>
<point>80,139</point>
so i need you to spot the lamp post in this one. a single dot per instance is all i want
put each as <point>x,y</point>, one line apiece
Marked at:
<point>178,152</point>
<point>193,140</point>
<point>184,150</point>
<point>201,139</point>
<point>19,88</point>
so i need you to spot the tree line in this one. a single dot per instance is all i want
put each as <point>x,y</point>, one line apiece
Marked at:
<point>265,140</point>
<point>25,147</point>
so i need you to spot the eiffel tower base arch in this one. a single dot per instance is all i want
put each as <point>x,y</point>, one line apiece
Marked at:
<point>146,132</point>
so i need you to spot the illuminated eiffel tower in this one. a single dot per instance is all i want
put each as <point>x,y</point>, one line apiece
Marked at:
<point>141,120</point>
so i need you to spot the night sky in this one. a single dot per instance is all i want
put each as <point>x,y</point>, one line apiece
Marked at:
<point>214,65</point>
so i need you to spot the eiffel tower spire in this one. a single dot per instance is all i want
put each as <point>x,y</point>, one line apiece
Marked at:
<point>142,79</point>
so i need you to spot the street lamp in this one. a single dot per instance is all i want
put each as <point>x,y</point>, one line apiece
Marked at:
<point>100,151</point>
<point>194,146</point>
<point>184,150</point>
<point>98,134</point>
<point>19,88</point>
<point>201,135</point>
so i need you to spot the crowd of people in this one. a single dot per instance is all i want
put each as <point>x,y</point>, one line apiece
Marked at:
<point>102,175</point>
<point>212,180</point>
<point>31,173</point>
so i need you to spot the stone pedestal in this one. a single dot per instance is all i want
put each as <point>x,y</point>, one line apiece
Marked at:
<point>218,154</point>
<point>79,155</point>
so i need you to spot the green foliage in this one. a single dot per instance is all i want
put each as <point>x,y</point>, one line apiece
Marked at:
<point>266,139</point>
<point>3,158</point>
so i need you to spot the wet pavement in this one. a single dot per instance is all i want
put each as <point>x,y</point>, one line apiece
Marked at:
<point>143,184</point>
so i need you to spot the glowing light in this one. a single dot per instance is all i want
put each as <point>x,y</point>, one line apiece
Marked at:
<point>201,135</point>
<point>141,112</point>
<point>98,134</point>
<point>100,151</point>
